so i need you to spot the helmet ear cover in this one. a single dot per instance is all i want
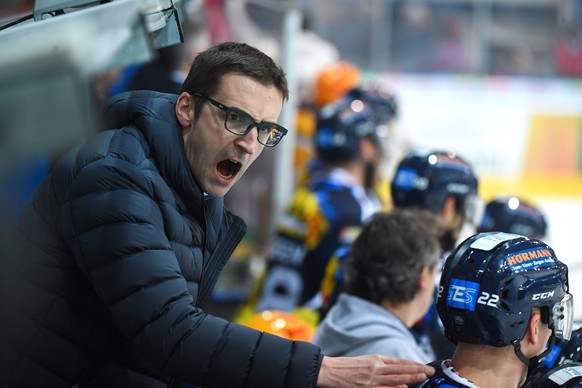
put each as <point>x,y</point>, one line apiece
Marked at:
<point>545,315</point>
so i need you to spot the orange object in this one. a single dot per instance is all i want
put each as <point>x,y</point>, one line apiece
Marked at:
<point>333,81</point>
<point>283,324</point>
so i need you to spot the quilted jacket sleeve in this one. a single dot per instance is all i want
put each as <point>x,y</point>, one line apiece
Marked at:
<point>116,230</point>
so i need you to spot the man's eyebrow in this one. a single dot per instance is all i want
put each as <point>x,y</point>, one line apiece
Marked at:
<point>250,115</point>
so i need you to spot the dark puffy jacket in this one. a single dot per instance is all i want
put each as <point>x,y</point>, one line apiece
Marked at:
<point>112,259</point>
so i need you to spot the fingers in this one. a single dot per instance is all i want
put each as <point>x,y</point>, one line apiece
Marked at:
<point>398,373</point>
<point>407,366</point>
<point>400,379</point>
<point>371,371</point>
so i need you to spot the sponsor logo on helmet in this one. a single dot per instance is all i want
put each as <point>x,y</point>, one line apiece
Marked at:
<point>407,179</point>
<point>463,294</point>
<point>531,258</point>
<point>491,241</point>
<point>326,138</point>
<point>543,295</point>
<point>457,188</point>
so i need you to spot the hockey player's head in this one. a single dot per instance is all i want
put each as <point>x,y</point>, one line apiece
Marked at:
<point>494,283</point>
<point>334,81</point>
<point>441,182</point>
<point>513,215</point>
<point>349,130</point>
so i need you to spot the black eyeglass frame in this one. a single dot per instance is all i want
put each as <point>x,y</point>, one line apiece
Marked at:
<point>260,125</point>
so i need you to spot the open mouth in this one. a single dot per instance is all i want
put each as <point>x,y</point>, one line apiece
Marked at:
<point>228,168</point>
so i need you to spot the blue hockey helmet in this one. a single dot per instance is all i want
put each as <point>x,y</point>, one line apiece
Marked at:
<point>425,179</point>
<point>513,215</point>
<point>383,104</point>
<point>341,124</point>
<point>491,283</point>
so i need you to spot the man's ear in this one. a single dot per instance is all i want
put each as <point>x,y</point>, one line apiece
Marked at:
<point>449,210</point>
<point>185,110</point>
<point>532,333</point>
<point>368,150</point>
<point>426,278</point>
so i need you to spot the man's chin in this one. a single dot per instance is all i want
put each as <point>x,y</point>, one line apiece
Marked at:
<point>219,189</point>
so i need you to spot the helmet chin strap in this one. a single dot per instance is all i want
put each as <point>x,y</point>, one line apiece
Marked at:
<point>531,363</point>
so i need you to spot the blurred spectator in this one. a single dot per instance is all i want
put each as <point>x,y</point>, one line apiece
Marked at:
<point>568,52</point>
<point>414,38</point>
<point>389,286</point>
<point>13,8</point>
<point>451,51</point>
<point>217,23</point>
<point>520,60</point>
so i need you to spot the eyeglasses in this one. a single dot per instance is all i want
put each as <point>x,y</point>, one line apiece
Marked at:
<point>240,123</point>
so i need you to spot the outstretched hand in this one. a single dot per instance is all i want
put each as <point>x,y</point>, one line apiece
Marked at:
<point>371,371</point>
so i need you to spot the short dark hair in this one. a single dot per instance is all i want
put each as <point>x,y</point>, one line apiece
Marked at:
<point>387,257</point>
<point>210,65</point>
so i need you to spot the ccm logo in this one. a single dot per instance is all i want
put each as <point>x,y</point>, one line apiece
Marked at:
<point>543,295</point>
